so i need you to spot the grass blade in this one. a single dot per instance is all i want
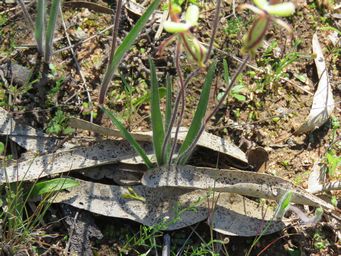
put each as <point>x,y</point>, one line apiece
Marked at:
<point>226,72</point>
<point>129,138</point>
<point>156,117</point>
<point>199,114</point>
<point>51,26</point>
<point>124,47</point>
<point>40,26</point>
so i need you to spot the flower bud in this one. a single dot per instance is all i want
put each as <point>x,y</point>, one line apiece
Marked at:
<point>257,32</point>
<point>192,15</point>
<point>261,4</point>
<point>176,27</point>
<point>281,10</point>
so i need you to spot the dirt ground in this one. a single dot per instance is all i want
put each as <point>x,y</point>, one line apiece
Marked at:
<point>275,96</point>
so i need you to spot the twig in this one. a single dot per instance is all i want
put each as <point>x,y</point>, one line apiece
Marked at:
<point>184,244</point>
<point>85,40</point>
<point>26,14</point>
<point>166,245</point>
<point>67,247</point>
<point>84,83</point>
<point>116,26</point>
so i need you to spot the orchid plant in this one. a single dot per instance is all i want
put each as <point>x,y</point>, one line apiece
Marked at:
<point>181,26</point>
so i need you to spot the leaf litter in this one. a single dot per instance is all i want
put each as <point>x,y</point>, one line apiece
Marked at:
<point>323,101</point>
<point>232,181</point>
<point>234,214</point>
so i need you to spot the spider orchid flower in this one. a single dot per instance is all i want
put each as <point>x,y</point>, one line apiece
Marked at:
<point>182,34</point>
<point>266,14</point>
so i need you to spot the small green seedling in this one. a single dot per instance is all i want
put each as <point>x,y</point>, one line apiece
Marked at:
<point>59,124</point>
<point>133,195</point>
<point>236,91</point>
<point>333,163</point>
<point>2,148</point>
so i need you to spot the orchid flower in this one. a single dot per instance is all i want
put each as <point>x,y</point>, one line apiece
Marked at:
<point>182,34</point>
<point>266,14</point>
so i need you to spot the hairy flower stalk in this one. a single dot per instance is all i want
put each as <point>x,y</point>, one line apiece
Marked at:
<point>194,50</point>
<point>253,40</point>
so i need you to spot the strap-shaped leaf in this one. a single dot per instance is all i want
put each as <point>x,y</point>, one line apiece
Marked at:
<point>51,26</point>
<point>199,114</point>
<point>40,26</point>
<point>54,185</point>
<point>124,47</point>
<point>156,117</point>
<point>168,110</point>
<point>129,138</point>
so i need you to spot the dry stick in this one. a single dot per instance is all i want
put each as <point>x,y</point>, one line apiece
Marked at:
<point>182,97</point>
<point>85,40</point>
<point>215,110</point>
<point>77,64</point>
<point>116,27</point>
<point>26,14</point>
<point>113,49</point>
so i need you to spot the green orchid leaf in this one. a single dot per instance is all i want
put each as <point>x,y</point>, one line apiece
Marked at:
<point>51,26</point>
<point>124,47</point>
<point>54,185</point>
<point>261,4</point>
<point>283,205</point>
<point>129,137</point>
<point>156,117</point>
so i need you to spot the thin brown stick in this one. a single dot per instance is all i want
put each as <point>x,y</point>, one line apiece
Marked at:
<point>77,64</point>
<point>116,27</point>
<point>182,97</point>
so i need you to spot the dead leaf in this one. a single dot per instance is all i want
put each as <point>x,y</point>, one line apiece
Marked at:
<point>234,214</point>
<point>317,181</point>
<point>206,140</point>
<point>104,152</point>
<point>24,135</point>
<point>229,180</point>
<point>122,175</point>
<point>323,102</point>
<point>258,158</point>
